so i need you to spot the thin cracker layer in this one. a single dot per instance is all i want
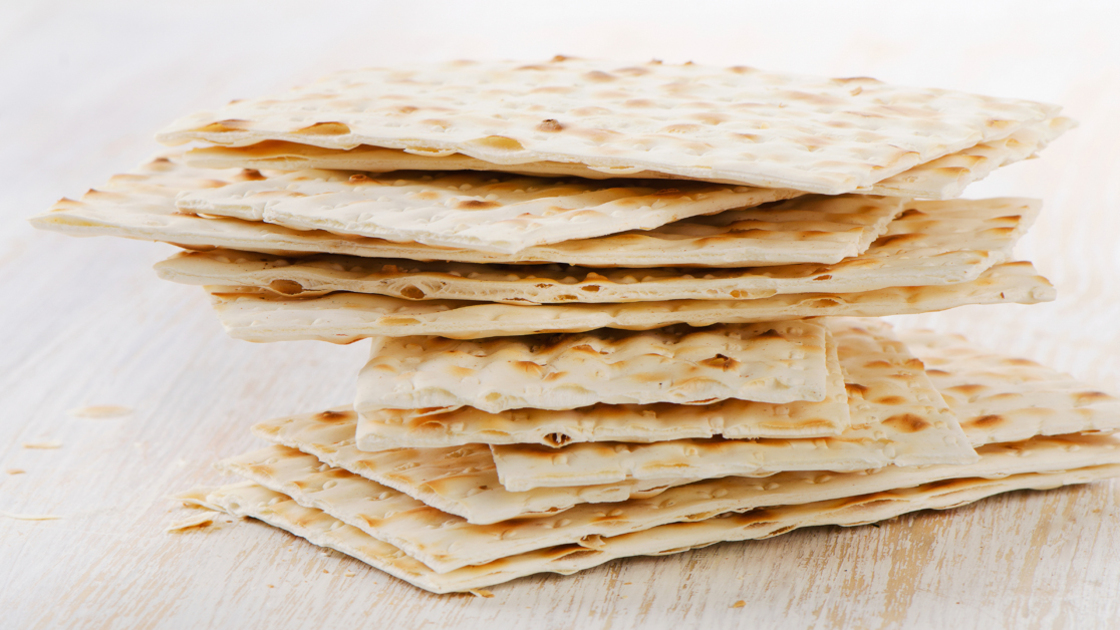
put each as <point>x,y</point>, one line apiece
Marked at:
<point>735,124</point>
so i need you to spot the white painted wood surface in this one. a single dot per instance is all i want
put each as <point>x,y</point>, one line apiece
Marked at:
<point>86,322</point>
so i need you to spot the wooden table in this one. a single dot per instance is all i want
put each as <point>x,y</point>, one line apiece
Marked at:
<point>85,322</point>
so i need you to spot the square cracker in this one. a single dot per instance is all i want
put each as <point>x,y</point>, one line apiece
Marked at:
<point>141,205</point>
<point>495,212</point>
<point>771,362</point>
<point>737,124</point>
<point>943,178</point>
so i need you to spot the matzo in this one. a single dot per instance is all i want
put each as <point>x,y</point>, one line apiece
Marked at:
<point>931,242</point>
<point>736,124</point>
<point>446,543</point>
<point>460,480</point>
<point>943,178</point>
<point>779,362</point>
<point>317,527</point>
<point>732,419</point>
<point>347,317</point>
<point>947,177</point>
<point>141,205</point>
<point>1002,399</point>
<point>476,495</point>
<point>494,212</point>
<point>897,418</point>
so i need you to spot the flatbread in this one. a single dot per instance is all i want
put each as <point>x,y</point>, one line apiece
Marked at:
<point>779,363</point>
<point>732,419</point>
<point>943,178</point>
<point>346,317</point>
<point>931,242</point>
<point>140,205</point>
<point>737,125</point>
<point>467,484</point>
<point>897,418</point>
<point>1003,399</point>
<point>496,212</point>
<point>319,528</point>
<point>459,480</point>
<point>947,177</point>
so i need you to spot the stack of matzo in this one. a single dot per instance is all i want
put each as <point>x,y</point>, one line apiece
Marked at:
<point>615,310</point>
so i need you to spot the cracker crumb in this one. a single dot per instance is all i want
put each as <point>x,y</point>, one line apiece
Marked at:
<point>349,574</point>
<point>270,586</point>
<point>327,572</point>
<point>15,471</point>
<point>42,445</point>
<point>739,604</point>
<point>197,521</point>
<point>100,411</point>
<point>481,592</point>
<point>29,517</point>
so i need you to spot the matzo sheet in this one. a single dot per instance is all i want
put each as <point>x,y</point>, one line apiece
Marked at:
<point>141,205</point>
<point>774,362</point>
<point>737,124</point>
<point>495,212</point>
<point>732,419</point>
<point>346,317</point>
<point>323,530</point>
<point>999,398</point>
<point>930,243</point>
<point>897,418</point>
<point>943,178</point>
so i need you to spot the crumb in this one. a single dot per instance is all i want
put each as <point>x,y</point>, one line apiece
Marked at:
<point>327,572</point>
<point>100,411</point>
<point>481,592</point>
<point>15,471</point>
<point>739,604</point>
<point>349,574</point>
<point>270,586</point>
<point>30,517</point>
<point>198,521</point>
<point>42,445</point>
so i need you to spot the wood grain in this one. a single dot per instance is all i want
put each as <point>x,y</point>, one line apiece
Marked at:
<point>85,322</point>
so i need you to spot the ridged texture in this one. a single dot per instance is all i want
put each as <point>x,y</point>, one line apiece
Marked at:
<point>897,418</point>
<point>775,362</point>
<point>733,419</point>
